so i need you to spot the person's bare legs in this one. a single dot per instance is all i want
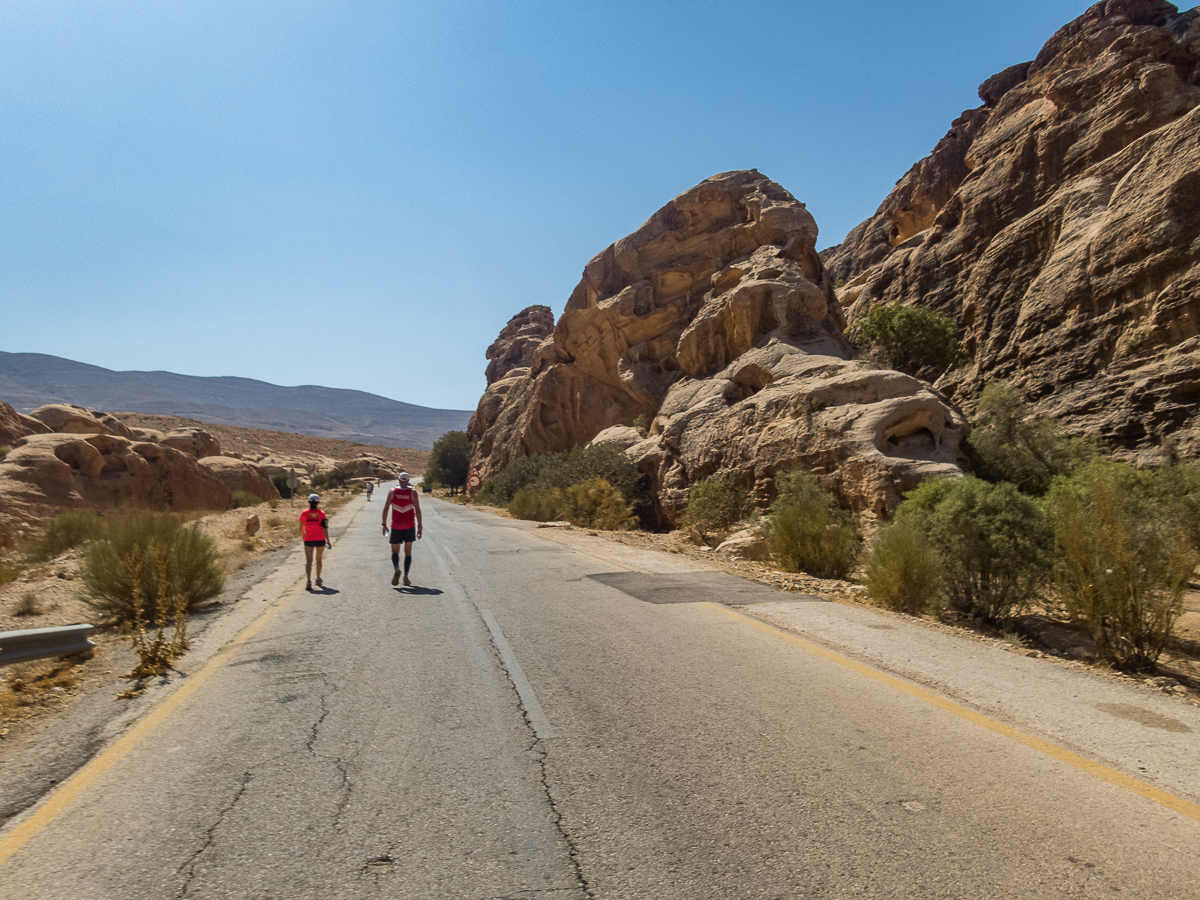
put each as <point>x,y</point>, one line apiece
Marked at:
<point>320,554</point>
<point>308,561</point>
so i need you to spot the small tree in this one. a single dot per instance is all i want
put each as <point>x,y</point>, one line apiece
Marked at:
<point>1009,443</point>
<point>450,460</point>
<point>917,340</point>
<point>1123,563</point>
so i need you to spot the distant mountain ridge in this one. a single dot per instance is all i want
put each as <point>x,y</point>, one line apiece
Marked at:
<point>30,380</point>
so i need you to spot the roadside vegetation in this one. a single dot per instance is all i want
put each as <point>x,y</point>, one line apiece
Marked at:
<point>1048,527</point>
<point>449,461</point>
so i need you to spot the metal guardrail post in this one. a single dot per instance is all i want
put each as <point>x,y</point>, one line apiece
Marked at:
<point>42,643</point>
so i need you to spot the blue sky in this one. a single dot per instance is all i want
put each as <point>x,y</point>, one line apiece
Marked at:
<point>360,195</point>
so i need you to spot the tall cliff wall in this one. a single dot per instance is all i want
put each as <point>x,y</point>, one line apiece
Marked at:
<point>1059,224</point>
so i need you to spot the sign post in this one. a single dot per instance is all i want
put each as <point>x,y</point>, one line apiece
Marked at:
<point>292,483</point>
<point>474,481</point>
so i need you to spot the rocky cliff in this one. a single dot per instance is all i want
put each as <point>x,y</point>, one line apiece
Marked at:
<point>1059,224</point>
<point>709,344</point>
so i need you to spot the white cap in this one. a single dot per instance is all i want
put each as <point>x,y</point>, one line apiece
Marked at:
<point>403,476</point>
<point>312,497</point>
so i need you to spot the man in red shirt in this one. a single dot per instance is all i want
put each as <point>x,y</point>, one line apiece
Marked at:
<point>406,524</point>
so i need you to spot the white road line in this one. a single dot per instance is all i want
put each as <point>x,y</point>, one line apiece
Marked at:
<point>537,718</point>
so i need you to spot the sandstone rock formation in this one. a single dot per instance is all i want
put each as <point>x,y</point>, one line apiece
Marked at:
<point>239,475</point>
<point>193,441</point>
<point>1059,224</point>
<point>715,325</point>
<point>15,425</point>
<point>48,472</point>
<point>64,418</point>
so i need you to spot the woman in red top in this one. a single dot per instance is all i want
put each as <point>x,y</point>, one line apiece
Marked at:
<point>314,528</point>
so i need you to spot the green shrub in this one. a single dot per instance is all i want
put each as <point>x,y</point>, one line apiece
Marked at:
<point>146,562</point>
<point>904,572</point>
<point>714,506</point>
<point>520,472</point>
<point>242,499</point>
<point>994,543</point>
<point>534,505</point>
<point>335,477</point>
<point>806,530</point>
<point>558,471</point>
<point>1009,443</point>
<point>1123,564</point>
<point>917,340</point>
<point>68,529</point>
<point>596,504</point>
<point>1176,488</point>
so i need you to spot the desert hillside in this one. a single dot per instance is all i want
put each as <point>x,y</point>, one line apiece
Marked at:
<point>32,380</point>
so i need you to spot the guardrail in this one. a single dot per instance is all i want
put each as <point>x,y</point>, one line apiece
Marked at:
<point>43,643</point>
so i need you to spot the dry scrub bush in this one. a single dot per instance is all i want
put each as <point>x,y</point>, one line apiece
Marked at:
<point>67,530</point>
<point>148,628</point>
<point>903,572</point>
<point>1123,563</point>
<point>596,504</point>
<point>533,505</point>
<point>808,532</point>
<point>714,507</point>
<point>147,559</point>
<point>30,604</point>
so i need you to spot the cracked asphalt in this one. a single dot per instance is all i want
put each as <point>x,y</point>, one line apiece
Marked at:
<point>519,724</point>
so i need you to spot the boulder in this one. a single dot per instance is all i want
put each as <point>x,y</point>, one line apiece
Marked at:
<point>239,475</point>
<point>65,418</point>
<point>15,425</point>
<point>717,324</point>
<point>1060,228</point>
<point>368,466</point>
<point>195,442</point>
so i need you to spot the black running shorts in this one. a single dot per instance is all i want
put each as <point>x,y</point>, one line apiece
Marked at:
<point>403,536</point>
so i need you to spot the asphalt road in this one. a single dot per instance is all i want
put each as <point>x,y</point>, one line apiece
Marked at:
<point>531,721</point>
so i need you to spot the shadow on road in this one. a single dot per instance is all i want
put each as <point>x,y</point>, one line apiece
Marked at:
<point>423,591</point>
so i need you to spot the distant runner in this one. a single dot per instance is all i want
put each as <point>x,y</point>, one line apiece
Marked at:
<point>314,529</point>
<point>406,524</point>
<point>370,490</point>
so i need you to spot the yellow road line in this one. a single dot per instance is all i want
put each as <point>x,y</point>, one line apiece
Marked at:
<point>87,776</point>
<point>1170,801</point>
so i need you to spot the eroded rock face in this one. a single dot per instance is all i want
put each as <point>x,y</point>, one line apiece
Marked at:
<point>1067,244</point>
<point>48,472</point>
<point>716,325</point>
<point>239,475</point>
<point>15,425</point>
